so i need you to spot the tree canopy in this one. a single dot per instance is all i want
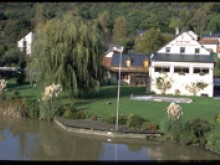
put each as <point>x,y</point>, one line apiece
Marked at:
<point>148,42</point>
<point>67,50</point>
<point>120,31</point>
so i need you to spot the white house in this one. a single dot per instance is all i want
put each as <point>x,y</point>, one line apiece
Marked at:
<point>185,63</point>
<point>211,42</point>
<point>26,43</point>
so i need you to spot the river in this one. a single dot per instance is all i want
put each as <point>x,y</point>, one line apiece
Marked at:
<point>29,139</point>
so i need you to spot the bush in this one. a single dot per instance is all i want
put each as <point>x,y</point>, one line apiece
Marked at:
<point>150,126</point>
<point>94,116</point>
<point>111,119</point>
<point>80,115</point>
<point>217,118</point>
<point>2,95</point>
<point>187,138</point>
<point>48,110</point>
<point>122,119</point>
<point>32,108</point>
<point>191,132</point>
<point>200,128</point>
<point>172,128</point>
<point>68,111</point>
<point>135,121</point>
<point>213,140</point>
<point>15,95</point>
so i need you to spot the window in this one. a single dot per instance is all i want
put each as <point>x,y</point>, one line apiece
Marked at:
<point>182,49</point>
<point>181,70</point>
<point>201,71</point>
<point>197,50</point>
<point>167,49</point>
<point>140,80</point>
<point>162,69</point>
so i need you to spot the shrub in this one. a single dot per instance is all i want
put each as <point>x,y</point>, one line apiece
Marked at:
<point>68,115</point>
<point>200,128</point>
<point>32,108</point>
<point>93,116</point>
<point>68,111</point>
<point>213,140</point>
<point>191,132</point>
<point>187,138</point>
<point>81,115</point>
<point>149,126</point>
<point>2,96</point>
<point>217,118</point>
<point>111,119</point>
<point>135,121</point>
<point>16,94</point>
<point>172,128</point>
<point>165,126</point>
<point>122,119</point>
<point>48,110</point>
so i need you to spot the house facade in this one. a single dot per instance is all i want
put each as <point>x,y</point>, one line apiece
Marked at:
<point>182,67</point>
<point>211,42</point>
<point>25,44</point>
<point>134,68</point>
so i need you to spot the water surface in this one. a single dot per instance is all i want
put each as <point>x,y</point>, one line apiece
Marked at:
<point>28,139</point>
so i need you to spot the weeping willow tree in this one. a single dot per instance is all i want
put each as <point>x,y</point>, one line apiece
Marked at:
<point>67,50</point>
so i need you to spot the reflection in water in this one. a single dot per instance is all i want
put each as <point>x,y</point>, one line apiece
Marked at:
<point>2,138</point>
<point>39,140</point>
<point>169,151</point>
<point>26,139</point>
<point>121,152</point>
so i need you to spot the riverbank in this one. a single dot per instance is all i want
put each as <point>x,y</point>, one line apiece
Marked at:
<point>100,128</point>
<point>12,109</point>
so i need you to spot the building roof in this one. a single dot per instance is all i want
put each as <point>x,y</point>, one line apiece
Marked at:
<point>209,41</point>
<point>215,35</point>
<point>182,58</point>
<point>136,60</point>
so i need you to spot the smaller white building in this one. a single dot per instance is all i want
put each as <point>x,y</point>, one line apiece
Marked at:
<point>25,44</point>
<point>211,42</point>
<point>184,63</point>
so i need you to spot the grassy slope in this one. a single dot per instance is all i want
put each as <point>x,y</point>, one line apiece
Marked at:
<point>205,108</point>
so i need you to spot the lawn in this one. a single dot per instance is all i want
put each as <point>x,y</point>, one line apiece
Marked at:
<point>104,103</point>
<point>204,108</point>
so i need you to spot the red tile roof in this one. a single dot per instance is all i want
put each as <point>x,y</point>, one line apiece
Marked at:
<point>208,41</point>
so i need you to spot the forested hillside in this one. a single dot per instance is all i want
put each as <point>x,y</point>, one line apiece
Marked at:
<point>119,22</point>
<point>16,19</point>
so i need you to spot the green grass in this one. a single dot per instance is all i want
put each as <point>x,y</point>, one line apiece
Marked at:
<point>204,108</point>
<point>98,103</point>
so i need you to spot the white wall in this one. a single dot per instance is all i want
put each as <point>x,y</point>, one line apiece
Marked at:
<point>187,41</point>
<point>29,39</point>
<point>210,46</point>
<point>180,81</point>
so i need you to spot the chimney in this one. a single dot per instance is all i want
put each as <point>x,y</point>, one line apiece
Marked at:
<point>177,31</point>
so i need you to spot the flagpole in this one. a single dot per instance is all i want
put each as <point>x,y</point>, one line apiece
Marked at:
<point>119,82</point>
